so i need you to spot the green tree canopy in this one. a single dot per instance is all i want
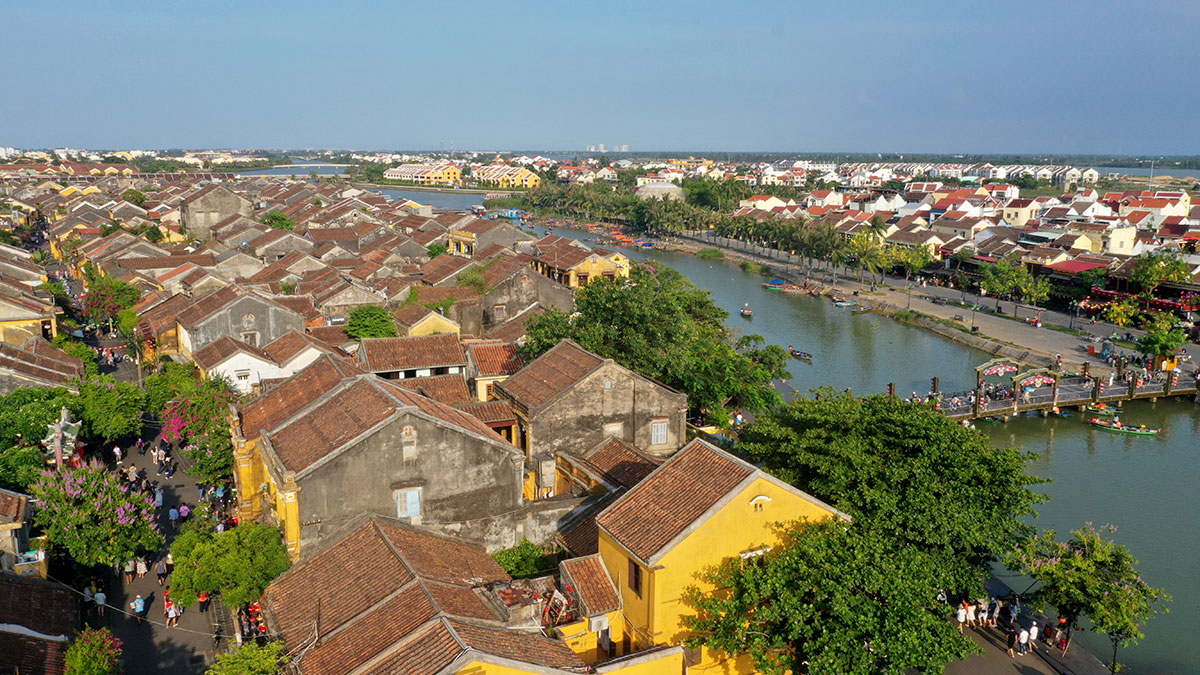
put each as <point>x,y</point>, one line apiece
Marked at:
<point>1162,337</point>
<point>1004,277</point>
<point>88,512</point>
<point>95,651</point>
<point>110,409</point>
<point>831,599</point>
<point>24,416</point>
<point>277,220</point>
<point>105,296</point>
<point>238,563</point>
<point>370,321</point>
<point>1122,312</point>
<point>434,250</point>
<point>1090,576</point>
<point>659,325</point>
<point>134,196</point>
<point>1152,269</point>
<point>906,474</point>
<point>250,658</point>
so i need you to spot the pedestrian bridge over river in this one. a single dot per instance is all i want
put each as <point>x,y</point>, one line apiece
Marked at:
<point>1003,389</point>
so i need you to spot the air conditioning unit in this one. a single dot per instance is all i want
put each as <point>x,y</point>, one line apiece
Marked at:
<point>598,623</point>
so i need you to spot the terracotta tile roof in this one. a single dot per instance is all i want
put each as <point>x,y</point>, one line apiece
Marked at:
<point>330,424</point>
<point>12,507</point>
<point>206,305</point>
<point>288,345</point>
<point>662,506</point>
<point>495,358</point>
<point>550,374</point>
<point>166,262</point>
<point>411,315</point>
<point>441,411</point>
<point>620,462</point>
<point>448,389</point>
<point>382,590</point>
<point>431,295</point>
<point>515,328</point>
<point>592,583</point>
<point>431,650</point>
<point>339,583</point>
<point>517,646</point>
<point>428,351</point>
<point>368,635</point>
<point>51,366</point>
<point>335,336</point>
<point>300,304</point>
<point>443,267</point>
<point>43,606</point>
<point>490,412</point>
<point>217,351</point>
<point>271,410</point>
<point>26,654</point>
<point>582,536</point>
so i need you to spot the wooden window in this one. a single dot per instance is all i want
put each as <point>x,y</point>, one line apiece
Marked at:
<point>635,578</point>
<point>658,432</point>
<point>408,502</point>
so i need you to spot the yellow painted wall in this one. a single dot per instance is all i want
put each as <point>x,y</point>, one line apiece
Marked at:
<point>433,324</point>
<point>737,527</point>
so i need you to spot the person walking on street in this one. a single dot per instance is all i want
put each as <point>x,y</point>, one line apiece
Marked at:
<point>203,599</point>
<point>1023,642</point>
<point>1033,633</point>
<point>160,570</point>
<point>171,611</point>
<point>158,497</point>
<point>139,608</point>
<point>971,615</point>
<point>961,616</point>
<point>1012,642</point>
<point>142,567</point>
<point>100,599</point>
<point>184,512</point>
<point>129,567</point>
<point>173,515</point>
<point>117,454</point>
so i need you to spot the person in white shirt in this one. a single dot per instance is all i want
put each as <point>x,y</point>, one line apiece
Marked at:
<point>1024,642</point>
<point>1033,633</point>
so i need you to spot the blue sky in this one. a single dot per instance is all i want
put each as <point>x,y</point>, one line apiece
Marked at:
<point>920,76</point>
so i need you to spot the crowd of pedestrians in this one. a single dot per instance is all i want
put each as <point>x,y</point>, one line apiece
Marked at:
<point>1021,638</point>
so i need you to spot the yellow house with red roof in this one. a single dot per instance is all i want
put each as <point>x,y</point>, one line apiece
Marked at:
<point>697,509</point>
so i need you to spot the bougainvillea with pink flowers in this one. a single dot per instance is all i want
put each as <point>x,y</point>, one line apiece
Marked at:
<point>198,419</point>
<point>91,513</point>
<point>94,652</point>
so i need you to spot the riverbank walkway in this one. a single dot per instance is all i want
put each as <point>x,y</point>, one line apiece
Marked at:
<point>1060,335</point>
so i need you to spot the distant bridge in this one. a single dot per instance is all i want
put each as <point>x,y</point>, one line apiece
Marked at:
<point>300,168</point>
<point>1043,389</point>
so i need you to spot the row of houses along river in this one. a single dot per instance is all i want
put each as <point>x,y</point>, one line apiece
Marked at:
<point>1145,486</point>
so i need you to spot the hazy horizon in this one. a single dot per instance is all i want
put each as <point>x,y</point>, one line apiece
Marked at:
<point>930,78</point>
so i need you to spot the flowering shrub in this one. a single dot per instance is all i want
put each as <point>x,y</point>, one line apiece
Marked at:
<point>94,652</point>
<point>110,409</point>
<point>91,513</point>
<point>199,418</point>
<point>104,297</point>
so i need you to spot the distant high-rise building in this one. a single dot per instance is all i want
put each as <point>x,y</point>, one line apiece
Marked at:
<point>601,148</point>
<point>624,147</point>
<point>591,148</point>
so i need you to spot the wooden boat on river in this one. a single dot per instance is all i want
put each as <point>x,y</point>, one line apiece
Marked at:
<point>1119,428</point>
<point>797,354</point>
<point>1103,409</point>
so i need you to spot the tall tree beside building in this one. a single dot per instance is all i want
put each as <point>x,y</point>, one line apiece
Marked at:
<point>110,410</point>
<point>659,325</point>
<point>1152,269</point>
<point>238,563</point>
<point>831,598</point>
<point>89,513</point>
<point>906,474</point>
<point>105,297</point>
<point>25,416</point>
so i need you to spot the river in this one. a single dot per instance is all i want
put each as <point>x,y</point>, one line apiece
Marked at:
<point>1145,486</point>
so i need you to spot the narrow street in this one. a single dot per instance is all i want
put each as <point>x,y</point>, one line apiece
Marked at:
<point>152,647</point>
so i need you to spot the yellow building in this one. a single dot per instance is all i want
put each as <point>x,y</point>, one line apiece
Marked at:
<point>690,163</point>
<point>415,320</point>
<point>574,264</point>
<point>24,315</point>
<point>443,173</point>
<point>505,177</point>
<point>699,508</point>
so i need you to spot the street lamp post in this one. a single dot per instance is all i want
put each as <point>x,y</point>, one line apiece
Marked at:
<point>973,308</point>
<point>1074,313</point>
